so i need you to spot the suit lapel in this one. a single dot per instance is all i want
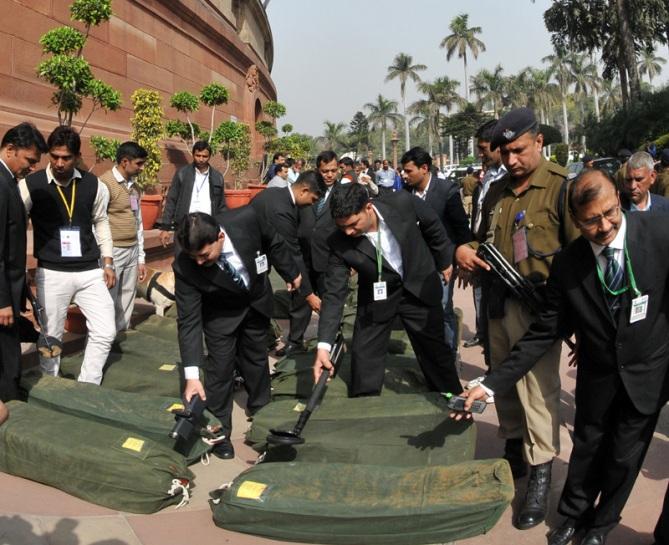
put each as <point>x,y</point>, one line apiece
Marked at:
<point>590,284</point>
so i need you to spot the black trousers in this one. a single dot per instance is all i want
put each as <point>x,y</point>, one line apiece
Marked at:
<point>300,316</point>
<point>662,529</point>
<point>10,362</point>
<point>246,347</point>
<point>425,327</point>
<point>609,448</point>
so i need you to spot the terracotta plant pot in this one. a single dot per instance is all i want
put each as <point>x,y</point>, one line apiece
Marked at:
<point>234,198</point>
<point>255,189</point>
<point>75,321</point>
<point>150,205</point>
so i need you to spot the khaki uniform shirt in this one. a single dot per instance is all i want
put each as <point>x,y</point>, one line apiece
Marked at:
<point>469,185</point>
<point>661,185</point>
<point>546,231</point>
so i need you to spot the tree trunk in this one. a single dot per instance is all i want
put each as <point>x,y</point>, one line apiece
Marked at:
<point>466,82</point>
<point>565,120</point>
<point>430,141</point>
<point>407,140</point>
<point>624,89</point>
<point>595,91</point>
<point>626,39</point>
<point>383,142</point>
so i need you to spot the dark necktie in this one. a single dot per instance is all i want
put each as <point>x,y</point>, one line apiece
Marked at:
<point>613,277</point>
<point>320,204</point>
<point>227,267</point>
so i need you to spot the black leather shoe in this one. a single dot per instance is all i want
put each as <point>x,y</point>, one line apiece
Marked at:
<point>563,534</point>
<point>594,537</point>
<point>474,341</point>
<point>513,453</point>
<point>224,450</point>
<point>533,511</point>
<point>290,349</point>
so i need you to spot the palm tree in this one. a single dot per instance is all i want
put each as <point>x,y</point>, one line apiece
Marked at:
<point>334,135</point>
<point>518,89</point>
<point>650,65</point>
<point>382,112</point>
<point>610,95</point>
<point>490,88</point>
<point>542,93</point>
<point>403,69</point>
<point>560,69</point>
<point>461,40</point>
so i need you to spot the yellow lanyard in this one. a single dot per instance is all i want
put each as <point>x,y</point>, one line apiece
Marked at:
<point>69,209</point>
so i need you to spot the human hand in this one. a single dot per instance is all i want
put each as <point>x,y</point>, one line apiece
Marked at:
<point>314,302</point>
<point>295,284</point>
<point>466,258</point>
<point>447,273</point>
<point>7,316</point>
<point>475,394</point>
<point>110,277</point>
<point>141,272</point>
<point>194,387</point>
<point>165,238</point>
<point>322,363</point>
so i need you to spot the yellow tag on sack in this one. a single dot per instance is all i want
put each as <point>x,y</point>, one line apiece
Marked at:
<point>299,407</point>
<point>175,407</point>
<point>167,367</point>
<point>132,443</point>
<point>250,490</point>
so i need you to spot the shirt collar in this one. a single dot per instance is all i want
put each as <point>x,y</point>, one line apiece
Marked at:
<point>5,165</point>
<point>119,177</point>
<point>290,192</point>
<point>424,192</point>
<point>617,243</point>
<point>228,248</point>
<point>636,208</point>
<point>50,177</point>
<point>198,173</point>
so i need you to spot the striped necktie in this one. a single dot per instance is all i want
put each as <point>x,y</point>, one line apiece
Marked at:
<point>613,277</point>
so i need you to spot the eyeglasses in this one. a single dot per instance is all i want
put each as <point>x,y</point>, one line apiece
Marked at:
<point>610,214</point>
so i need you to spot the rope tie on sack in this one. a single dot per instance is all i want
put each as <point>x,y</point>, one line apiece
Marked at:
<point>180,487</point>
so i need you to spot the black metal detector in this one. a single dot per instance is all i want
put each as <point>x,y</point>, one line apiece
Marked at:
<point>47,346</point>
<point>293,437</point>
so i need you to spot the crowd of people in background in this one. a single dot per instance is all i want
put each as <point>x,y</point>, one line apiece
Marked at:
<point>393,241</point>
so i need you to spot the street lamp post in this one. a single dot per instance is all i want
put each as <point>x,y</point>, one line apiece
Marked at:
<point>394,139</point>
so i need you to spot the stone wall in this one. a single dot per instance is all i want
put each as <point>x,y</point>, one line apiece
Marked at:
<point>167,45</point>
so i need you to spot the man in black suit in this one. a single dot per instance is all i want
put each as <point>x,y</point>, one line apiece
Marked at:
<point>20,151</point>
<point>610,288</point>
<point>399,249</point>
<point>197,187</point>
<point>639,178</point>
<point>316,223</point>
<point>443,196</point>
<point>222,289</point>
<point>279,207</point>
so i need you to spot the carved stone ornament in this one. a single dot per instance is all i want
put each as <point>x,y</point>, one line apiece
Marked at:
<point>252,79</point>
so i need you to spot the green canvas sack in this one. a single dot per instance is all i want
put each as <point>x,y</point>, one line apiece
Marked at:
<point>148,415</point>
<point>98,463</point>
<point>411,429</point>
<point>372,504</point>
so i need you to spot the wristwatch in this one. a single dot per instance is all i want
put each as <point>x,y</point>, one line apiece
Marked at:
<point>110,266</point>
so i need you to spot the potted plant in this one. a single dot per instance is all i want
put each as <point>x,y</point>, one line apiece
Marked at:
<point>233,141</point>
<point>147,131</point>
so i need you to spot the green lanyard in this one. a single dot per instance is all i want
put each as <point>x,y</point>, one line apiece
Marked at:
<point>379,252</point>
<point>630,275</point>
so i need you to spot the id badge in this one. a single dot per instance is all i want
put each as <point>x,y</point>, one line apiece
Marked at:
<point>261,264</point>
<point>380,291</point>
<point>70,242</point>
<point>639,309</point>
<point>134,203</point>
<point>519,239</point>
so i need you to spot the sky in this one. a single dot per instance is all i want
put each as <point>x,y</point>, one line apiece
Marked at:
<point>331,58</point>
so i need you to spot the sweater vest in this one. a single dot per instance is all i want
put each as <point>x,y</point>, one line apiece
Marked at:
<point>122,220</point>
<point>49,215</point>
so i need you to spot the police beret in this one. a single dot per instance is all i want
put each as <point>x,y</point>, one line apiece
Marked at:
<point>625,153</point>
<point>512,125</point>
<point>664,156</point>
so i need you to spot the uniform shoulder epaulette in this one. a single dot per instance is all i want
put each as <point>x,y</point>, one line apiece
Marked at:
<point>557,169</point>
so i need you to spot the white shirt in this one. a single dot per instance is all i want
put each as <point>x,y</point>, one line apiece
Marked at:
<point>192,372</point>
<point>200,199</point>
<point>138,214</point>
<point>100,220</point>
<point>292,176</point>
<point>278,181</point>
<point>390,249</point>
<point>618,244</point>
<point>491,175</point>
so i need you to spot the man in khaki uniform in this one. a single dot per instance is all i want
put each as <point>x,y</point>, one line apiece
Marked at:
<point>469,184</point>
<point>624,154</point>
<point>661,185</point>
<point>525,216</point>
<point>125,221</point>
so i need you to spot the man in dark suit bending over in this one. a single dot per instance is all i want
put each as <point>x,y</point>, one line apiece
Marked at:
<point>222,290</point>
<point>399,249</point>
<point>611,288</point>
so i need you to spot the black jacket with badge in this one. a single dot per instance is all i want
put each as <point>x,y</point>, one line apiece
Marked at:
<point>425,251</point>
<point>12,244</point>
<point>177,202</point>
<point>204,293</point>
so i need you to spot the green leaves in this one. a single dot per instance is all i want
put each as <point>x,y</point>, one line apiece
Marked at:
<point>103,94</point>
<point>274,109</point>
<point>286,128</point>
<point>214,94</point>
<point>105,148</point>
<point>147,131</point>
<point>266,129</point>
<point>181,129</point>
<point>91,12</point>
<point>67,72</point>
<point>184,102</point>
<point>62,41</point>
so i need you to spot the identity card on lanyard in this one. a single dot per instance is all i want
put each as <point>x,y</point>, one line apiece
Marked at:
<point>261,263</point>
<point>70,236</point>
<point>380,289</point>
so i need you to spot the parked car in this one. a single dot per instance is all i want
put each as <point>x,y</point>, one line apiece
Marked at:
<point>608,164</point>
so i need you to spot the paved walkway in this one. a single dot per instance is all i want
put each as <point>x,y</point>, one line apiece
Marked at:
<point>33,514</point>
